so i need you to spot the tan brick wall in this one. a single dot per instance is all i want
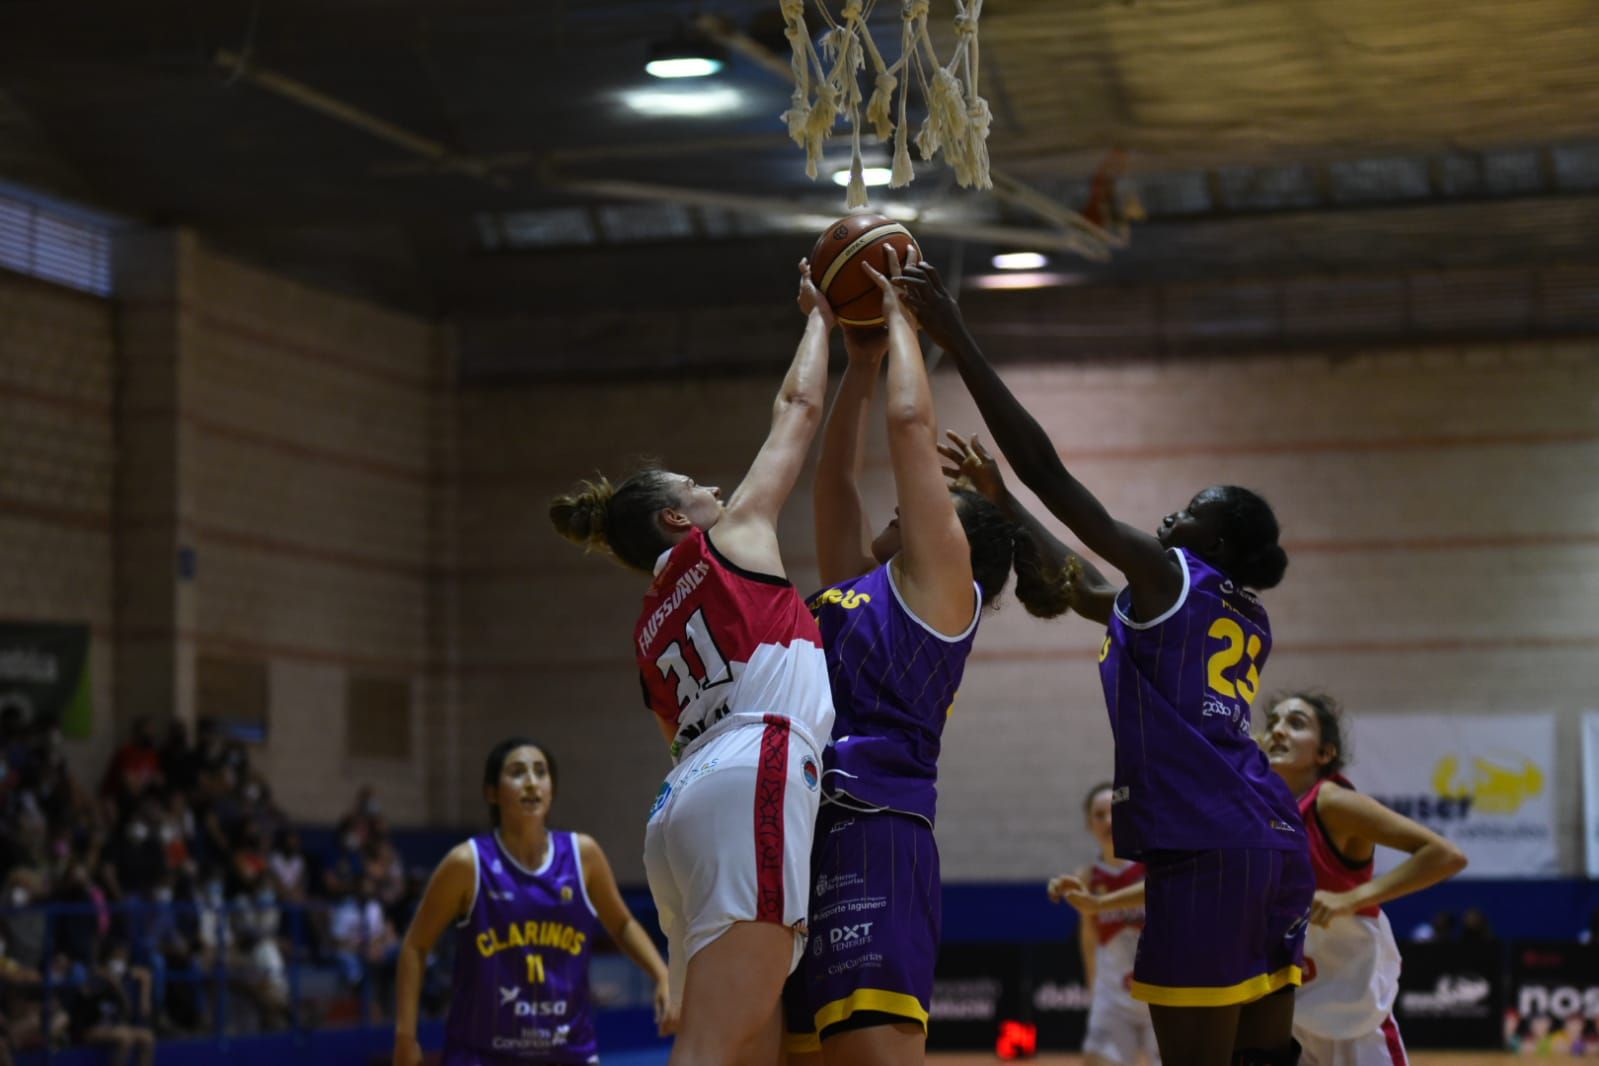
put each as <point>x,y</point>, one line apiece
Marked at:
<point>57,462</point>
<point>307,474</point>
<point>1439,507</point>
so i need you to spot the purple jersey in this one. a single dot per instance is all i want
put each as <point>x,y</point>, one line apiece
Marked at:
<point>521,990</point>
<point>1188,774</point>
<point>893,678</point>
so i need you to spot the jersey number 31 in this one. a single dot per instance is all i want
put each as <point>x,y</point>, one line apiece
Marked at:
<point>693,677</point>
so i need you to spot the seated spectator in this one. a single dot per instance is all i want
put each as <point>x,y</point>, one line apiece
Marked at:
<point>22,1026</point>
<point>260,970</point>
<point>178,764</point>
<point>249,861</point>
<point>1442,927</point>
<point>101,1012</point>
<point>381,862</point>
<point>136,766</point>
<point>361,932</point>
<point>1474,927</point>
<point>176,832</point>
<point>136,849</point>
<point>290,873</point>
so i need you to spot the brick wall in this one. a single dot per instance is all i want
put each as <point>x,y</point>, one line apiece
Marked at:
<point>353,512</point>
<point>57,460</point>
<point>1438,506</point>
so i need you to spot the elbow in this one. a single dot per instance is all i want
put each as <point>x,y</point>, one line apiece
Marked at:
<point>799,406</point>
<point>1454,859</point>
<point>910,417</point>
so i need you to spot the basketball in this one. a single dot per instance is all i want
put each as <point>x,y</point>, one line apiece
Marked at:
<point>837,258</point>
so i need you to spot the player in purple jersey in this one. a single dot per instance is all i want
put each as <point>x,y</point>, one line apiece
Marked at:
<point>526,902</point>
<point>898,617</point>
<point>1228,884</point>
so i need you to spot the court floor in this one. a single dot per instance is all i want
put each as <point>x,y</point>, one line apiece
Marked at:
<point>948,1058</point>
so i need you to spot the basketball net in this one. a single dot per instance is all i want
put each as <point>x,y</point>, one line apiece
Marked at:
<point>827,85</point>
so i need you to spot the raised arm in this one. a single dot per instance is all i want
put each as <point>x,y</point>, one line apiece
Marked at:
<point>935,560</point>
<point>1155,577</point>
<point>1088,592</point>
<point>1355,818</point>
<point>448,896</point>
<point>843,538</point>
<point>747,532</point>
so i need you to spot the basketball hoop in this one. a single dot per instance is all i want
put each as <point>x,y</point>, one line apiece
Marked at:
<point>827,85</point>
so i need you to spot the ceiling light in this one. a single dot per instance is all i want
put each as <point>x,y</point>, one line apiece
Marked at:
<point>663,103</point>
<point>898,212</point>
<point>873,176</point>
<point>1030,280</point>
<point>1020,261</point>
<point>683,67</point>
<point>685,56</point>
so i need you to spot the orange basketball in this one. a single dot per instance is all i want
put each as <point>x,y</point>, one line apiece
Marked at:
<point>836,265</point>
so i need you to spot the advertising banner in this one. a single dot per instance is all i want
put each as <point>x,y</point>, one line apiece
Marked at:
<point>44,674</point>
<point>1487,782</point>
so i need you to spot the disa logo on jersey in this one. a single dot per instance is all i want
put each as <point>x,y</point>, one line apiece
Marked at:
<point>809,772</point>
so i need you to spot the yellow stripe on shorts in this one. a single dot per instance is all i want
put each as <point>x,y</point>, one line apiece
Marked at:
<point>1243,992</point>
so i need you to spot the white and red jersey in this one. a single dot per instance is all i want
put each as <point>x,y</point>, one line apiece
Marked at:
<point>1351,964</point>
<point>715,640</point>
<point>1117,932</point>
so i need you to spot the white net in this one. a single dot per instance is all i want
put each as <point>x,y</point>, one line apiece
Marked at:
<point>827,85</point>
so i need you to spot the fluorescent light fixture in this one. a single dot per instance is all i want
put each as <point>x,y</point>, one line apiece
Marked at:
<point>1020,261</point>
<point>1027,280</point>
<point>898,212</point>
<point>873,176</point>
<point>673,103</point>
<point>683,67</point>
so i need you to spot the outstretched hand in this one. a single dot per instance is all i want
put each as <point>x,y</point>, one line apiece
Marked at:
<point>810,298</point>
<point>967,461</point>
<point>892,304</point>
<point>938,312</point>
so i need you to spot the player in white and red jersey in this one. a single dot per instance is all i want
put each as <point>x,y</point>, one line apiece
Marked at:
<point>1343,1013</point>
<point>731,664</point>
<point>1108,895</point>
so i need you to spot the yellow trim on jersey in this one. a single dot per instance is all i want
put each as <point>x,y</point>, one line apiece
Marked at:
<point>1243,992</point>
<point>896,1003</point>
<point>802,1043</point>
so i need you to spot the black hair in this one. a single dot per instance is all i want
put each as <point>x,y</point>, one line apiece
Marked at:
<point>1249,530</point>
<point>496,763</point>
<point>1088,800</point>
<point>620,518</point>
<point>992,538</point>
<point>1330,721</point>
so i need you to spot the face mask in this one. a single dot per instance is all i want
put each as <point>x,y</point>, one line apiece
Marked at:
<point>163,895</point>
<point>252,793</point>
<point>19,896</point>
<point>117,967</point>
<point>266,898</point>
<point>168,834</point>
<point>214,893</point>
<point>352,842</point>
<point>138,832</point>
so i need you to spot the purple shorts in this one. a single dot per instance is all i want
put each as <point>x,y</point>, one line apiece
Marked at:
<point>875,914</point>
<point>1222,927</point>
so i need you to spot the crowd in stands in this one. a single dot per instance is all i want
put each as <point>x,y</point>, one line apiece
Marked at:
<point>176,882</point>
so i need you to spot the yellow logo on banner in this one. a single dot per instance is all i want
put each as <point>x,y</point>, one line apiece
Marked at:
<point>1494,785</point>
